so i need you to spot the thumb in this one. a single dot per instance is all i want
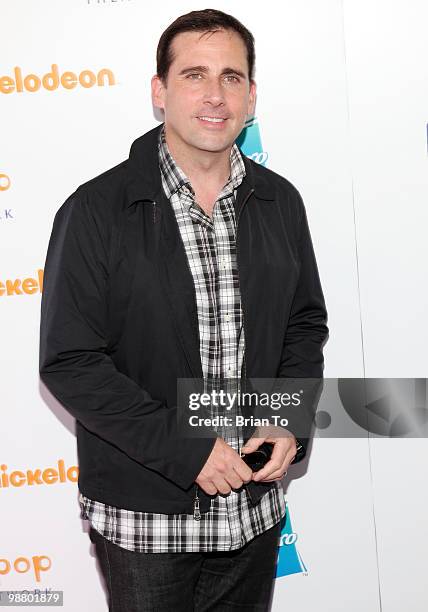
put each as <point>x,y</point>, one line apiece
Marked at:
<point>251,445</point>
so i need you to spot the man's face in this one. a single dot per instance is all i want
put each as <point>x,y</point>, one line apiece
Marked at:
<point>207,95</point>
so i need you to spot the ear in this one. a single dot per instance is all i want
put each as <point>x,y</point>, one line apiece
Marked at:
<point>252,99</point>
<point>158,92</point>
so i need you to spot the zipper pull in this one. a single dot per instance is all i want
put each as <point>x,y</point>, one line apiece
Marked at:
<point>154,212</point>
<point>196,511</point>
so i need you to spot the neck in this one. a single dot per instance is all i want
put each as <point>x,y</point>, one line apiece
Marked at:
<point>201,167</point>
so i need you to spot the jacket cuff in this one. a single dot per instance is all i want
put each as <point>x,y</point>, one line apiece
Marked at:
<point>184,473</point>
<point>301,451</point>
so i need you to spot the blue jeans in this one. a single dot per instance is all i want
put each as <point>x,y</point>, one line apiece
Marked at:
<point>241,579</point>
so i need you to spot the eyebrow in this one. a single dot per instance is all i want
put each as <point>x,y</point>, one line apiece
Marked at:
<point>205,69</point>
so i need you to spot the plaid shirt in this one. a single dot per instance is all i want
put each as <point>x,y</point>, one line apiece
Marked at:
<point>210,245</point>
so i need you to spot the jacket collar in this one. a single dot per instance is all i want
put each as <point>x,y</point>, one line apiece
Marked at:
<point>144,179</point>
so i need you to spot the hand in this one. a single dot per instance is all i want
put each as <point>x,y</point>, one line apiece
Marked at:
<point>283,453</point>
<point>224,470</point>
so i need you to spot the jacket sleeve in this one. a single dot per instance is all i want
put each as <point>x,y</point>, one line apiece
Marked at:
<point>306,331</point>
<point>74,362</point>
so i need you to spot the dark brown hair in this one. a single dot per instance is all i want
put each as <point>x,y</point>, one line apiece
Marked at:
<point>207,20</point>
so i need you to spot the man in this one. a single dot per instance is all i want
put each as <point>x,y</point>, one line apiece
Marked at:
<point>185,261</point>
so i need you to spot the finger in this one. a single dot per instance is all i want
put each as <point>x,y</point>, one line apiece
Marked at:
<point>252,445</point>
<point>269,469</point>
<point>283,451</point>
<point>209,488</point>
<point>275,462</point>
<point>280,473</point>
<point>243,471</point>
<point>234,480</point>
<point>221,485</point>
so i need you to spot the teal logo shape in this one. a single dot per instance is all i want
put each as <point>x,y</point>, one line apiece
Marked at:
<point>289,559</point>
<point>250,142</point>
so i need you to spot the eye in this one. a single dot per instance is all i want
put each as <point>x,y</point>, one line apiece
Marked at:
<point>194,76</point>
<point>231,78</point>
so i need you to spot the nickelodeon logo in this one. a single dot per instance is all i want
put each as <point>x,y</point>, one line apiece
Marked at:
<point>23,286</point>
<point>22,565</point>
<point>53,79</point>
<point>48,476</point>
<point>4,181</point>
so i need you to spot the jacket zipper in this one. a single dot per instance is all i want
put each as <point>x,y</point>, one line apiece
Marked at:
<point>243,320</point>
<point>196,510</point>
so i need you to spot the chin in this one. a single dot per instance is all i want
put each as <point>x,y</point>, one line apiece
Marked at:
<point>214,145</point>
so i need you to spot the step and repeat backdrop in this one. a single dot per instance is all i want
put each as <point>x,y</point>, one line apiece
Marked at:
<point>342,112</point>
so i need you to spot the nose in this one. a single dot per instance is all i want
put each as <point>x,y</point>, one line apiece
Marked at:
<point>213,92</point>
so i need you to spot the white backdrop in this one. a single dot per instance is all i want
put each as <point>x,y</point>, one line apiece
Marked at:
<point>342,112</point>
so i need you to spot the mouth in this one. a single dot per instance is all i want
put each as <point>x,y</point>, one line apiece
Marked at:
<point>212,120</point>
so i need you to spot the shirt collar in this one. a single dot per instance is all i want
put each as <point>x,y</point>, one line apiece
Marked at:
<point>174,179</point>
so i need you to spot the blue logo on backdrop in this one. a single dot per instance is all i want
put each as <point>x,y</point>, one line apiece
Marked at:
<point>250,143</point>
<point>289,559</point>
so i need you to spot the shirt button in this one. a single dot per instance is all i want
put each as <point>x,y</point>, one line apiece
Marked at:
<point>227,317</point>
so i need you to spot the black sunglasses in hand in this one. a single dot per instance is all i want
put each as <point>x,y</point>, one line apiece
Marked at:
<point>258,458</point>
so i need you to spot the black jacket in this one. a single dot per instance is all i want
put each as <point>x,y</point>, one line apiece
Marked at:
<point>119,322</point>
